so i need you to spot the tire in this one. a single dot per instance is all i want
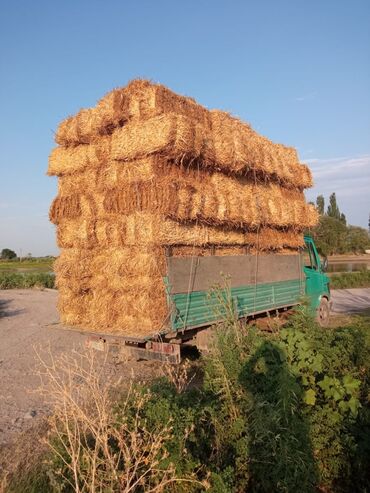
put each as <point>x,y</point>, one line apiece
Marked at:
<point>323,313</point>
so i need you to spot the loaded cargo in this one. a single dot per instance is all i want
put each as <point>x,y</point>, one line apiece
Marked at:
<point>160,200</point>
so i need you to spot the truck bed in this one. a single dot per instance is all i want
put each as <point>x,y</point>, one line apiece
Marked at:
<point>202,289</point>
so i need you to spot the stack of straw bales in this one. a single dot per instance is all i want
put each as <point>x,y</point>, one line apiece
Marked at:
<point>146,171</point>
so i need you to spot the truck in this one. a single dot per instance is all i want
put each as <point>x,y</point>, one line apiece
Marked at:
<point>201,290</point>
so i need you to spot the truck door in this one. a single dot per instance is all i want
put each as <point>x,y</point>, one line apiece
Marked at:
<point>312,271</point>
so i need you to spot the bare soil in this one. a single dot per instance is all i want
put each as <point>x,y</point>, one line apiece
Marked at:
<point>29,324</point>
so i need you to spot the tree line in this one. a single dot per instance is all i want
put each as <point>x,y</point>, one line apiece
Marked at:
<point>333,235</point>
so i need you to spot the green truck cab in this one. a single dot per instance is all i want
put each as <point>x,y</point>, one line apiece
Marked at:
<point>317,287</point>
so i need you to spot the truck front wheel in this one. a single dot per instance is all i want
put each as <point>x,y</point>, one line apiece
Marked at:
<point>323,313</point>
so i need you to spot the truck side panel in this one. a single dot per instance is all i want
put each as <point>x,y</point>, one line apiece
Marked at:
<point>203,307</point>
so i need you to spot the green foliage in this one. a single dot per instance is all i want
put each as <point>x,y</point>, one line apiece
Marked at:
<point>329,235</point>
<point>29,280</point>
<point>35,481</point>
<point>333,209</point>
<point>332,235</point>
<point>8,254</point>
<point>320,204</point>
<point>347,280</point>
<point>357,239</point>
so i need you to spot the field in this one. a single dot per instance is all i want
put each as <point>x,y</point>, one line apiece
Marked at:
<point>27,273</point>
<point>27,266</point>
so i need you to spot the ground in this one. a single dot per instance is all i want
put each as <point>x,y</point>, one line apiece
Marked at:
<point>29,324</point>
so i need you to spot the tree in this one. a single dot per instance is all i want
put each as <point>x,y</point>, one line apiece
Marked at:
<point>8,254</point>
<point>333,209</point>
<point>358,239</point>
<point>330,235</point>
<point>320,204</point>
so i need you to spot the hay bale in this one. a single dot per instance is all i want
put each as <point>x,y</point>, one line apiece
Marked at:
<point>137,312</point>
<point>67,160</point>
<point>234,148</point>
<point>182,194</point>
<point>150,229</point>
<point>140,99</point>
<point>170,135</point>
<point>149,119</point>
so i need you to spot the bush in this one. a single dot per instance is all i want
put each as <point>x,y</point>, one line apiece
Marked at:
<point>29,280</point>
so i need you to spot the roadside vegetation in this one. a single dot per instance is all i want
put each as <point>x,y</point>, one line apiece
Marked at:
<point>283,411</point>
<point>26,273</point>
<point>26,280</point>
<point>347,280</point>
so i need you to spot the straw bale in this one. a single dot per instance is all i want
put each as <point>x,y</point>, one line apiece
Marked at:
<point>135,313</point>
<point>150,229</point>
<point>185,194</point>
<point>140,99</point>
<point>110,175</point>
<point>171,135</point>
<point>67,160</point>
<point>145,119</point>
<point>232,147</point>
<point>235,145</point>
<point>118,268</point>
<point>132,314</point>
<point>74,307</point>
<point>65,206</point>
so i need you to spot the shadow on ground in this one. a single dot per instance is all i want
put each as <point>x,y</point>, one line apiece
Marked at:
<point>6,311</point>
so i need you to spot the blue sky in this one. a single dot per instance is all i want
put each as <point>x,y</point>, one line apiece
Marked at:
<point>298,71</point>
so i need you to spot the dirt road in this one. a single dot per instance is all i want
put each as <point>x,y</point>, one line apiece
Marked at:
<point>26,326</point>
<point>23,317</point>
<point>351,301</point>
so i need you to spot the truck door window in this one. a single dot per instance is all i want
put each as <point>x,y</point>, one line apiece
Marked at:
<point>309,257</point>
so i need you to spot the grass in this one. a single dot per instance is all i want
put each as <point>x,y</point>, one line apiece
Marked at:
<point>18,280</point>
<point>27,265</point>
<point>347,280</point>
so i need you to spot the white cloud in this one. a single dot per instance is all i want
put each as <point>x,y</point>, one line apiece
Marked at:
<point>349,178</point>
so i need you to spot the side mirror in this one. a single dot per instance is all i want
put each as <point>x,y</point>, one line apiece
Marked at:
<point>325,264</point>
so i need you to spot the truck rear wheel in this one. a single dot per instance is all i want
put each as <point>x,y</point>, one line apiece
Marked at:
<point>323,313</point>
